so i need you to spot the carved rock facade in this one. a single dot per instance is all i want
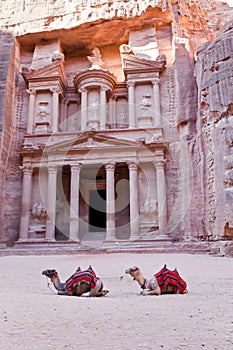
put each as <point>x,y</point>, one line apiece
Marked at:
<point>118,129</point>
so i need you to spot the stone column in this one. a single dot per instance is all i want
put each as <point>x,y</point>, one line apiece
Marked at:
<point>156,99</point>
<point>51,203</point>
<point>31,110</point>
<point>26,202</point>
<point>134,201</point>
<point>55,108</point>
<point>161,191</point>
<point>64,125</point>
<point>74,202</point>
<point>83,108</point>
<point>131,104</point>
<point>110,202</point>
<point>102,108</point>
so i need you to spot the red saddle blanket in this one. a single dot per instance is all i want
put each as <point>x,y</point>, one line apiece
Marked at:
<point>79,275</point>
<point>166,277</point>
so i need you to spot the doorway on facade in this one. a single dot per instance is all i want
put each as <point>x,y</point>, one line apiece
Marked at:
<point>97,210</point>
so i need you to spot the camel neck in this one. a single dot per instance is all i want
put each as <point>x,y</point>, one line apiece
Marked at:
<point>57,283</point>
<point>140,279</point>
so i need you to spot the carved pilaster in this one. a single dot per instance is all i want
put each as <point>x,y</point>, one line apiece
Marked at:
<point>55,107</point>
<point>159,164</point>
<point>156,97</point>
<point>26,201</point>
<point>51,202</point>
<point>134,200</point>
<point>131,102</point>
<point>74,202</point>
<point>110,201</point>
<point>31,110</point>
<point>83,92</point>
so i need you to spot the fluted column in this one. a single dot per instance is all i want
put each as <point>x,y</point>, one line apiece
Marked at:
<point>102,108</point>
<point>51,203</point>
<point>83,108</point>
<point>156,99</point>
<point>134,200</point>
<point>31,110</point>
<point>74,202</point>
<point>55,108</point>
<point>26,202</point>
<point>162,195</point>
<point>131,104</point>
<point>110,201</point>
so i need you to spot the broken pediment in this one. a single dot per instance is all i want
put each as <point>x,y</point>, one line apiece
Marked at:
<point>49,72</point>
<point>134,64</point>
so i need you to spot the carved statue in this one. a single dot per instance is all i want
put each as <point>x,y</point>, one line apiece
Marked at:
<point>43,111</point>
<point>38,211</point>
<point>93,109</point>
<point>150,207</point>
<point>95,59</point>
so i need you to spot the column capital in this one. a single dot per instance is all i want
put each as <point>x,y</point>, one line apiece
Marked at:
<point>56,89</point>
<point>31,91</point>
<point>156,81</point>
<point>75,167</point>
<point>27,169</point>
<point>109,166</point>
<point>130,83</point>
<point>82,89</point>
<point>132,165</point>
<point>159,163</point>
<point>52,169</point>
<point>103,88</point>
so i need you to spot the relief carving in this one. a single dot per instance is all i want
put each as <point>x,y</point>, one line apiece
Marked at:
<point>146,103</point>
<point>38,211</point>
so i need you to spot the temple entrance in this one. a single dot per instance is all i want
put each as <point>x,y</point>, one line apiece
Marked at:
<point>97,210</point>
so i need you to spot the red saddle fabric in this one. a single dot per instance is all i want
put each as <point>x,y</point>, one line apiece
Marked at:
<point>79,275</point>
<point>167,277</point>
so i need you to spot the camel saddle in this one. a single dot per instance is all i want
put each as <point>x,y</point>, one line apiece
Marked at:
<point>167,278</point>
<point>88,275</point>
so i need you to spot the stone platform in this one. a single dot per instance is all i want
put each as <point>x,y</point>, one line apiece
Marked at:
<point>220,248</point>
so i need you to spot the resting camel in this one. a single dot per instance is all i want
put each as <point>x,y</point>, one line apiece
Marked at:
<point>79,283</point>
<point>163,282</point>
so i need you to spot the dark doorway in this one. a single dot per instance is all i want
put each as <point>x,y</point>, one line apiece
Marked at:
<point>97,211</point>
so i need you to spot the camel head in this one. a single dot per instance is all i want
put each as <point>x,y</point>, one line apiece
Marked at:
<point>50,273</point>
<point>133,271</point>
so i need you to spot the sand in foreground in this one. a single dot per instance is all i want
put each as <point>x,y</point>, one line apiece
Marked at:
<point>33,317</point>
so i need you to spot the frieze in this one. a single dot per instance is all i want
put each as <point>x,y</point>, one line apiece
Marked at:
<point>142,76</point>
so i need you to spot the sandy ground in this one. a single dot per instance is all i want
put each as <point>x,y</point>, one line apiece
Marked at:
<point>33,317</point>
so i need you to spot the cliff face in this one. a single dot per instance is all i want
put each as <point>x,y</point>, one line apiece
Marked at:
<point>196,91</point>
<point>215,129</point>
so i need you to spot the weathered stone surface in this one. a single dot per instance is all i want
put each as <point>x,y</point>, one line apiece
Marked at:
<point>54,41</point>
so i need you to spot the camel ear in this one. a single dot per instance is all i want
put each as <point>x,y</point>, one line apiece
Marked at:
<point>134,268</point>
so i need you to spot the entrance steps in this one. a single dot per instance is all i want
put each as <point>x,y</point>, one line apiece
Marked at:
<point>98,247</point>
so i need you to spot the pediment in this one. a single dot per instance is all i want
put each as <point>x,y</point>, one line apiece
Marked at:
<point>132,63</point>
<point>88,141</point>
<point>54,70</point>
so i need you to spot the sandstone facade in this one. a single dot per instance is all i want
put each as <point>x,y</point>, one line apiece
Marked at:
<point>116,120</point>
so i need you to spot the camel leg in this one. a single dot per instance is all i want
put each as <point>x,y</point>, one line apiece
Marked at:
<point>151,292</point>
<point>98,291</point>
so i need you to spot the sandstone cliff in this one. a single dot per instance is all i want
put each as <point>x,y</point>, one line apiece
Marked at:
<point>195,36</point>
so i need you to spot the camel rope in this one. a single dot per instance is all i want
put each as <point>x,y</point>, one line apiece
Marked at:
<point>49,284</point>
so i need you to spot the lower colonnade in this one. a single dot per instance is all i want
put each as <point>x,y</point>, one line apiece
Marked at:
<point>74,201</point>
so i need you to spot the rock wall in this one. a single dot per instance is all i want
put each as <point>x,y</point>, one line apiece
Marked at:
<point>196,89</point>
<point>215,129</point>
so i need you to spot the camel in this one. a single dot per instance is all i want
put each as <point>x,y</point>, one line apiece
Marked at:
<point>79,283</point>
<point>163,282</point>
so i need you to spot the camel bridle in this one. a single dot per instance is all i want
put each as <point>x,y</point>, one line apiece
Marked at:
<point>143,286</point>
